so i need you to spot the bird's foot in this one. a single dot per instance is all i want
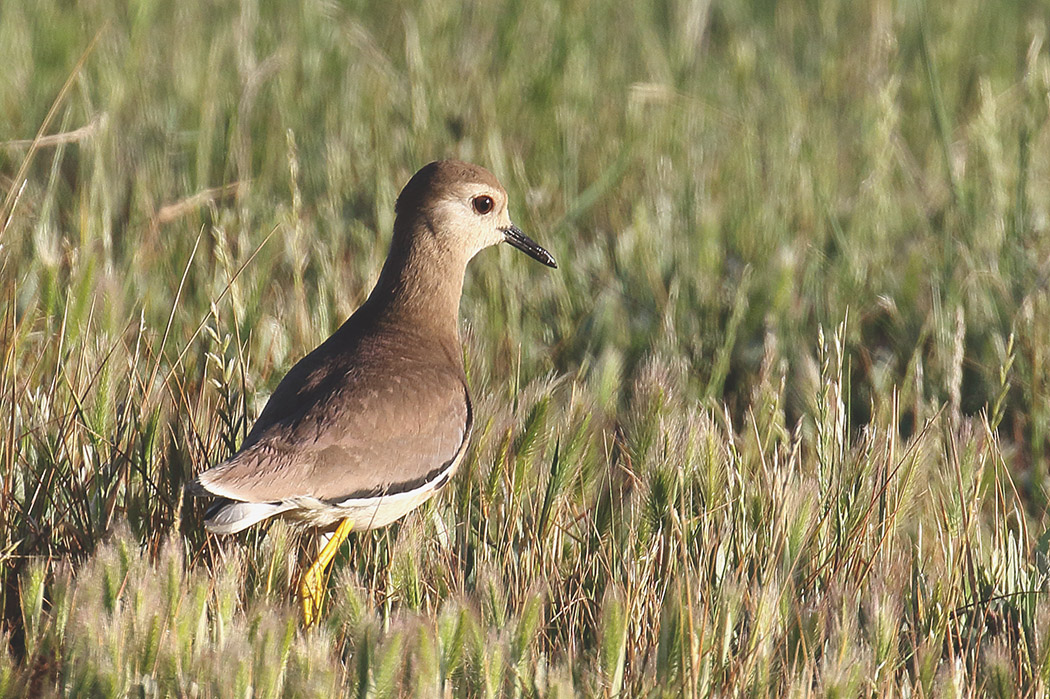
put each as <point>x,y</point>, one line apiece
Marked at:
<point>312,584</point>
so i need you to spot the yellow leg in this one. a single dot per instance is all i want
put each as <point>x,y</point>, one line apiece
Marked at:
<point>311,586</point>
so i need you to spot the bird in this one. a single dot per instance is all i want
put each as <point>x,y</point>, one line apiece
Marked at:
<point>375,420</point>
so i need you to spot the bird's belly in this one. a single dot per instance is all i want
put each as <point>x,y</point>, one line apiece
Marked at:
<point>369,512</point>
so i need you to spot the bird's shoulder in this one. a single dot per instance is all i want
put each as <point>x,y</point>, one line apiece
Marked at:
<point>361,376</point>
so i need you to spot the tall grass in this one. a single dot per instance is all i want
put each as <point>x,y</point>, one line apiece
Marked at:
<point>778,425</point>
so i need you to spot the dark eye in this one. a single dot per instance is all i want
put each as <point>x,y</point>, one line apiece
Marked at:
<point>483,204</point>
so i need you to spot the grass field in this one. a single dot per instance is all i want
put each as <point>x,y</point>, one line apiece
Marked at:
<point>779,425</point>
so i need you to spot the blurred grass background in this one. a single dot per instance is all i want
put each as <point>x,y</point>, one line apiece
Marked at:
<point>778,425</point>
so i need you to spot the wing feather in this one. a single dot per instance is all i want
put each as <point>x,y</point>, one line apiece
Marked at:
<point>367,428</point>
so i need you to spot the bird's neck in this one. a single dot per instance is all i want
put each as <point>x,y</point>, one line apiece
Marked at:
<point>421,284</point>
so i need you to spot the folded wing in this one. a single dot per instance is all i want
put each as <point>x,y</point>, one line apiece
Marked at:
<point>394,433</point>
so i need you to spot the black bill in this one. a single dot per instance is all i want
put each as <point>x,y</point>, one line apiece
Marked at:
<point>527,245</point>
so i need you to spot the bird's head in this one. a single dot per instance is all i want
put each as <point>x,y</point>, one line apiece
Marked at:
<point>464,207</point>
